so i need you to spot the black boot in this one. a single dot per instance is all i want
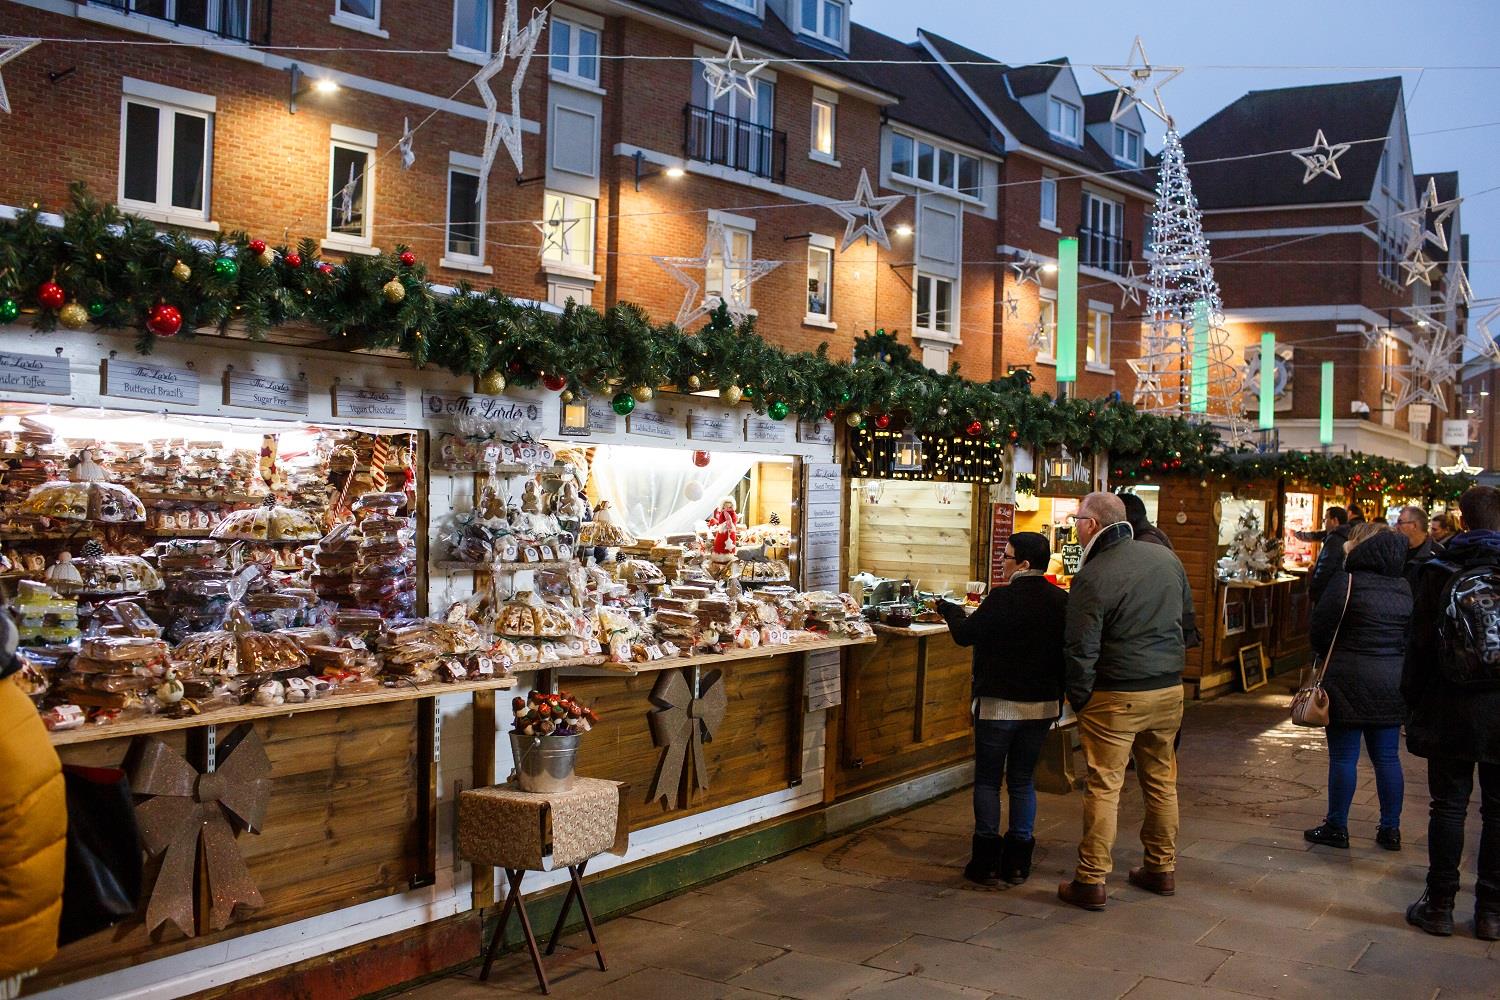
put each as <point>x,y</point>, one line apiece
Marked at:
<point>1015,859</point>
<point>984,866</point>
<point>1328,835</point>
<point>1487,918</point>
<point>1388,837</point>
<point>1433,912</point>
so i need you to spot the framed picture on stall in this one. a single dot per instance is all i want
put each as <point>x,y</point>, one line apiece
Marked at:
<point>1252,666</point>
<point>1234,616</point>
<point>1260,610</point>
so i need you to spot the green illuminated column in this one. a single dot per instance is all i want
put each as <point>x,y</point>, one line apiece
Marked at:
<point>1325,411</point>
<point>1267,381</point>
<point>1198,395</point>
<point>1067,310</point>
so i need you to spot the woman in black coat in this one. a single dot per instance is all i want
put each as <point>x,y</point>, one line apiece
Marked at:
<point>1363,677</point>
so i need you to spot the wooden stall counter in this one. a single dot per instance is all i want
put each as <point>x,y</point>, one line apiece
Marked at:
<point>604,668</point>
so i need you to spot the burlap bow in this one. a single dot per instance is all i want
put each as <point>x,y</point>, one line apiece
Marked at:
<point>683,720</point>
<point>189,811</point>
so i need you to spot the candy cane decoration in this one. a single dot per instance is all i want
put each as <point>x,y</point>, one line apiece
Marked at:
<point>380,453</point>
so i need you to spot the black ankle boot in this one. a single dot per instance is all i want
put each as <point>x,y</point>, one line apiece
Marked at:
<point>984,864</point>
<point>1328,835</point>
<point>1388,837</point>
<point>1015,859</point>
<point>1487,919</point>
<point>1433,913</point>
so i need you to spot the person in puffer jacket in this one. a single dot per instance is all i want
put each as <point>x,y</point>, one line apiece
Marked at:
<point>33,829</point>
<point>1363,677</point>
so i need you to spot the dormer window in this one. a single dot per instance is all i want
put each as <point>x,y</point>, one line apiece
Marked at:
<point>748,6</point>
<point>825,20</point>
<point>1063,119</point>
<point>1127,146</point>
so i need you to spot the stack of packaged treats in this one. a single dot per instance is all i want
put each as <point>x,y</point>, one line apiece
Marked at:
<point>32,457</point>
<point>43,616</point>
<point>385,577</point>
<point>675,618</point>
<point>340,658</point>
<point>114,672</point>
<point>196,575</point>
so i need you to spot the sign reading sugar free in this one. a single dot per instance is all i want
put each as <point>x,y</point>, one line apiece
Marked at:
<point>154,383</point>
<point>35,373</point>
<point>265,392</point>
<point>370,402</point>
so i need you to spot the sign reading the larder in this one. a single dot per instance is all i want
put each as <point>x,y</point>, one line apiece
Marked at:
<point>155,383</point>
<point>265,392</point>
<point>518,417</point>
<point>370,402</point>
<point>35,373</point>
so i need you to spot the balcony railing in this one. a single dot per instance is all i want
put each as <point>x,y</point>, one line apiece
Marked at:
<point>239,20</point>
<point>733,142</point>
<point>1106,251</point>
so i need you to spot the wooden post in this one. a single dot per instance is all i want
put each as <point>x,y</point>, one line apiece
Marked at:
<point>482,881</point>
<point>919,716</point>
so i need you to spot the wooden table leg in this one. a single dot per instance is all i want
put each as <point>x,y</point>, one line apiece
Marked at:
<point>515,876</point>
<point>576,873</point>
<point>498,936</point>
<point>562,917</point>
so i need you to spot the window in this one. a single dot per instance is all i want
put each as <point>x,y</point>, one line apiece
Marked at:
<point>362,15</point>
<point>752,6</point>
<point>1097,352</point>
<point>819,283</point>
<point>822,129</point>
<point>1047,317</point>
<point>936,165</point>
<point>227,18</point>
<point>165,158</point>
<point>465,217</point>
<point>968,175</point>
<point>575,51</point>
<point>735,131</point>
<point>934,305</point>
<point>902,151</point>
<point>568,231</point>
<point>1049,198</point>
<point>719,280</point>
<point>471,25</point>
<point>351,183</point>
<point>824,19</point>
<point>1102,243</point>
<point>1127,146</point>
<point>1062,119</point>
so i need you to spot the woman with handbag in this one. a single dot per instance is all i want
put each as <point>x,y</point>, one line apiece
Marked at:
<point>1359,633</point>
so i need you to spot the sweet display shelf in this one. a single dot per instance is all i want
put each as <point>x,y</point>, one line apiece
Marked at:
<point>700,660</point>
<point>170,497</point>
<point>502,469</point>
<point>916,630</point>
<point>452,565</point>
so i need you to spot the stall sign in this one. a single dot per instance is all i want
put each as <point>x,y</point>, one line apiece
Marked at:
<point>1419,413</point>
<point>764,430</point>
<point>815,432</point>
<point>265,392</point>
<point>602,417</point>
<point>1072,557</point>
<point>1455,433</point>
<point>370,402</point>
<point>824,477</point>
<point>155,383</point>
<point>824,681</point>
<point>711,427</point>
<point>822,517</point>
<point>823,496</point>
<point>35,373</point>
<point>1002,523</point>
<point>519,418</point>
<point>652,423</point>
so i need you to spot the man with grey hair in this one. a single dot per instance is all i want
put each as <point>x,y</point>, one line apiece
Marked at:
<point>1123,644</point>
<point>1420,546</point>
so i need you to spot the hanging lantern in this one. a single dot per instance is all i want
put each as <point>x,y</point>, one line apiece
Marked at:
<point>575,416</point>
<point>911,453</point>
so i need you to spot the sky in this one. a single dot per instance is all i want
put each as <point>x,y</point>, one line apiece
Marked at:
<point>1446,51</point>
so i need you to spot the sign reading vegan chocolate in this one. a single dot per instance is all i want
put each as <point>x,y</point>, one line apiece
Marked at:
<point>683,720</point>
<point>34,373</point>
<point>370,402</point>
<point>155,383</point>
<point>265,392</point>
<point>521,418</point>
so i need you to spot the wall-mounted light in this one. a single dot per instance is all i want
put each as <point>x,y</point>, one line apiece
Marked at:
<point>300,86</point>
<point>1049,268</point>
<point>904,230</point>
<point>641,174</point>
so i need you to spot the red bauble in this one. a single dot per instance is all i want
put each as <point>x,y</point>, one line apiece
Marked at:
<point>294,260</point>
<point>51,295</point>
<point>883,421</point>
<point>408,258</point>
<point>974,429</point>
<point>324,267</point>
<point>1145,463</point>
<point>700,459</point>
<point>257,247</point>
<point>554,381</point>
<point>514,367</point>
<point>164,320</point>
<point>829,414</point>
<point>1014,435</point>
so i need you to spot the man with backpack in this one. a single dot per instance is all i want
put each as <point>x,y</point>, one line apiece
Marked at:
<point>1451,682</point>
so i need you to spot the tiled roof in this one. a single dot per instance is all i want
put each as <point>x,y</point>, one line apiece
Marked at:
<point>929,99</point>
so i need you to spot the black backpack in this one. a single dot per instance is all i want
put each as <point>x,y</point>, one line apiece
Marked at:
<point>1469,627</point>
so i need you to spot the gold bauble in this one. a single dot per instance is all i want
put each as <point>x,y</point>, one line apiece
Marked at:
<point>643,393</point>
<point>394,291</point>
<point>267,258</point>
<point>694,383</point>
<point>73,316</point>
<point>566,395</point>
<point>731,394</point>
<point>855,418</point>
<point>181,271</point>
<point>491,383</point>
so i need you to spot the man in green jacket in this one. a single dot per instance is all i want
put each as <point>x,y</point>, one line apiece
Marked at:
<point>1123,644</point>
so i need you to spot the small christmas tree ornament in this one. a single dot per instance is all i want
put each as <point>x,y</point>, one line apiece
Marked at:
<point>257,247</point>
<point>266,258</point>
<point>181,271</point>
<point>778,410</point>
<point>9,310</point>
<point>408,259</point>
<point>623,403</point>
<point>566,395</point>
<point>731,394</point>
<point>882,421</point>
<point>829,414</point>
<point>974,429</point>
<point>554,382</point>
<point>294,260</point>
<point>694,383</point>
<point>73,316</point>
<point>491,383</point>
<point>97,308</point>
<point>226,267</point>
<point>701,459</point>
<point>164,320</point>
<point>393,291</point>
<point>643,393</point>
<point>324,267</point>
<point>50,295</point>
<point>515,367</point>
<point>855,418</point>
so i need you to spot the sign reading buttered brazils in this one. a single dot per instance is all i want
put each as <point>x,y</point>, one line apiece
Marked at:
<point>521,418</point>
<point>34,373</point>
<point>153,383</point>
<point>368,402</point>
<point>265,392</point>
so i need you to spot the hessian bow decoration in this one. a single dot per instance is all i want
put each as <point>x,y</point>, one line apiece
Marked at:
<point>682,722</point>
<point>189,812</point>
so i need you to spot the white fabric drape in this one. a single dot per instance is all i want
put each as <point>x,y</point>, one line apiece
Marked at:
<point>647,487</point>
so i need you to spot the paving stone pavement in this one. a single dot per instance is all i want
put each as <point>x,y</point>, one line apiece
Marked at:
<point>883,914</point>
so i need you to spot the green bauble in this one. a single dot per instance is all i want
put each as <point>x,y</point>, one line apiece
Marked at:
<point>96,308</point>
<point>623,403</point>
<point>844,397</point>
<point>226,267</point>
<point>778,410</point>
<point>9,310</point>
<point>750,392</point>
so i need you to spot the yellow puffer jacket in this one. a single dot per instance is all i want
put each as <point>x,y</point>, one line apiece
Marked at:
<point>33,828</point>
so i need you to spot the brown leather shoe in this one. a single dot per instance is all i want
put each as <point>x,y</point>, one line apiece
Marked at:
<point>1161,883</point>
<point>1088,895</point>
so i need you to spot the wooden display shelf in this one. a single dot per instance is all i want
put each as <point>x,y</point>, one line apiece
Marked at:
<point>503,469</point>
<point>453,565</point>
<point>702,659</point>
<point>244,713</point>
<point>916,630</point>
<point>177,532</point>
<point>200,498</point>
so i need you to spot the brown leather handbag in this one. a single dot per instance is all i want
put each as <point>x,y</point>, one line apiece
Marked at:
<point>1310,703</point>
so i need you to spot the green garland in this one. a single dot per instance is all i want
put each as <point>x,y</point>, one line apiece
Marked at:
<point>120,267</point>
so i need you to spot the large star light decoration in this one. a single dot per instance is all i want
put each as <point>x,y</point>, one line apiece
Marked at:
<point>1419,267</point>
<point>1321,158</point>
<point>1139,78</point>
<point>1027,268</point>
<point>864,214</point>
<point>735,296</point>
<point>1456,288</point>
<point>1463,468</point>
<point>1486,335</point>
<point>1148,388</point>
<point>731,72</point>
<point>10,48</point>
<point>1037,339</point>
<point>1130,286</point>
<point>1435,363</point>
<point>555,229</point>
<point>1416,220</point>
<point>1012,306</point>
<point>502,128</point>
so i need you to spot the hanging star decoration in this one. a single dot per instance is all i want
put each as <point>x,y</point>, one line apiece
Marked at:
<point>1037,339</point>
<point>1462,468</point>
<point>501,128</point>
<point>554,230</point>
<point>1419,267</point>
<point>1130,286</point>
<point>1148,388</point>
<point>718,254</point>
<point>683,720</point>
<point>1434,365</point>
<point>408,157</point>
<point>1140,74</point>
<point>346,198</point>
<point>1012,306</point>
<point>864,214</point>
<point>1321,158</point>
<point>10,48</point>
<point>1477,337</point>
<point>1456,288</point>
<point>732,72</point>
<point>1027,268</point>
<point>1485,334</point>
<point>1420,227</point>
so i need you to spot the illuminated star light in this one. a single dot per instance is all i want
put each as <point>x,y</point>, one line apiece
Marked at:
<point>1463,468</point>
<point>1148,390</point>
<point>725,74</point>
<point>1130,286</point>
<point>735,297</point>
<point>864,214</point>
<point>555,230</point>
<point>1419,267</point>
<point>1129,93</point>
<point>1321,158</point>
<point>1415,220</point>
<point>10,48</point>
<point>1027,268</point>
<point>499,128</point>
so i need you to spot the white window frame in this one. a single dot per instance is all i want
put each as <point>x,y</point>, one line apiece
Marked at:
<point>1125,137</point>
<point>168,102</point>
<point>824,246</point>
<point>462,163</point>
<point>755,7</point>
<point>821,102</point>
<point>938,149</point>
<point>579,243</point>
<point>816,30</point>
<point>1055,106</point>
<point>1048,189</point>
<point>733,226</point>
<point>1047,301</point>
<point>571,73</point>
<point>1096,313</point>
<point>933,330</point>
<point>467,52</point>
<point>343,137</point>
<point>358,22</point>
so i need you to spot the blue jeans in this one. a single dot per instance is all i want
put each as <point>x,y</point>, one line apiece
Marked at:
<point>1011,749</point>
<point>1384,746</point>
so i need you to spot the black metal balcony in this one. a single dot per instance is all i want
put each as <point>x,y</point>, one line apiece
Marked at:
<point>239,20</point>
<point>1103,250</point>
<point>733,142</point>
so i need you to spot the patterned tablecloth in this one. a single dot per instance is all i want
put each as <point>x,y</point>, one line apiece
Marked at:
<point>508,828</point>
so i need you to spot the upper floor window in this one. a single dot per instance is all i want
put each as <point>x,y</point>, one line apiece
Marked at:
<point>361,15</point>
<point>750,6</point>
<point>575,51</point>
<point>822,128</point>
<point>1063,119</point>
<point>1047,320</point>
<point>1103,244</point>
<point>824,19</point>
<point>165,157</point>
<point>1049,198</point>
<point>934,305</point>
<point>1127,146</point>
<point>936,165</point>
<point>471,25</point>
<point>568,237</point>
<point>351,191</point>
<point>722,273</point>
<point>819,282</point>
<point>465,236</point>
<point>1097,350</point>
<point>226,18</point>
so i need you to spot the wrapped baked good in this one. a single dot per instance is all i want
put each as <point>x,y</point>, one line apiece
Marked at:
<point>106,574</point>
<point>606,528</point>
<point>639,572</point>
<point>123,648</point>
<point>238,650</point>
<point>269,522</point>
<point>86,495</point>
<point>526,616</point>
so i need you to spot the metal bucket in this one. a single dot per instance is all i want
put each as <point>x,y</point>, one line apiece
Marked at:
<point>544,763</point>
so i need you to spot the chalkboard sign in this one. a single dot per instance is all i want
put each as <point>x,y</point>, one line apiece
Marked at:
<point>1072,557</point>
<point>1252,666</point>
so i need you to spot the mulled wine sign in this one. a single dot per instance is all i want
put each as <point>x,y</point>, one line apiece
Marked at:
<point>711,427</point>
<point>35,373</point>
<point>370,402</point>
<point>653,423</point>
<point>153,383</point>
<point>265,392</point>
<point>512,417</point>
<point>764,430</point>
